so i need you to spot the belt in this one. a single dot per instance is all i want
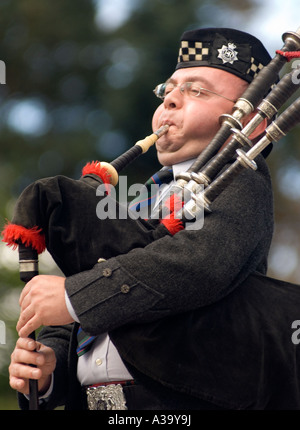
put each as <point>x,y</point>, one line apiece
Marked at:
<point>107,395</point>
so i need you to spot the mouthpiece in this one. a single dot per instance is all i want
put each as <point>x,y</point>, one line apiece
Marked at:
<point>162,130</point>
<point>150,140</point>
<point>135,151</point>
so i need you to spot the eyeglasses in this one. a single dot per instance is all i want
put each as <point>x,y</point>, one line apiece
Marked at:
<point>189,88</point>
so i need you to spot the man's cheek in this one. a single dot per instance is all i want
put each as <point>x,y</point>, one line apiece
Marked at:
<point>156,117</point>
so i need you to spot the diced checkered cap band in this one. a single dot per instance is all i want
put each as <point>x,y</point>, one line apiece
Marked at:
<point>255,68</point>
<point>193,51</point>
<point>232,50</point>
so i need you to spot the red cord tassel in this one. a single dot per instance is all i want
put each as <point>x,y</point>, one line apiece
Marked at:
<point>289,55</point>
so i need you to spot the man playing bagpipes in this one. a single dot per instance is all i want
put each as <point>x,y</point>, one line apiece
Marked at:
<point>153,319</point>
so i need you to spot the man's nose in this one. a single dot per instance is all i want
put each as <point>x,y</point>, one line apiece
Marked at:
<point>174,99</point>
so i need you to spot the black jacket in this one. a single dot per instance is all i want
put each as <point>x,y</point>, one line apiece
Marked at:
<point>193,318</point>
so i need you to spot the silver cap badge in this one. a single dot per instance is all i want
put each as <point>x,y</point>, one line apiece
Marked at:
<point>227,53</point>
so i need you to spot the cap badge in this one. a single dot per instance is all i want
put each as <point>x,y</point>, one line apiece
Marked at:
<point>227,53</point>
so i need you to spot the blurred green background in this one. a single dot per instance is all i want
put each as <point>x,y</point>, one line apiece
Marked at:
<point>79,79</point>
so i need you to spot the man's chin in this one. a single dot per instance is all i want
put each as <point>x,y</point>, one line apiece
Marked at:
<point>165,159</point>
<point>169,159</point>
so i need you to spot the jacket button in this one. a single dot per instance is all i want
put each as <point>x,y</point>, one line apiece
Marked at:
<point>107,272</point>
<point>125,288</point>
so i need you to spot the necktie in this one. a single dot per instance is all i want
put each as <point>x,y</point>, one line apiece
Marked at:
<point>145,199</point>
<point>149,192</point>
<point>84,342</point>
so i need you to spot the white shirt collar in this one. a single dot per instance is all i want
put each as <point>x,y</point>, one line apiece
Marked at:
<point>177,168</point>
<point>181,167</point>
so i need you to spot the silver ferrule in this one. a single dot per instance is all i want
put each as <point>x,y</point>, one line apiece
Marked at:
<point>194,207</point>
<point>190,210</point>
<point>245,160</point>
<point>267,109</point>
<point>162,130</point>
<point>242,107</point>
<point>241,138</point>
<point>292,37</point>
<point>201,202</point>
<point>183,178</point>
<point>200,178</point>
<point>274,132</point>
<point>194,187</point>
<point>231,121</point>
<point>28,265</point>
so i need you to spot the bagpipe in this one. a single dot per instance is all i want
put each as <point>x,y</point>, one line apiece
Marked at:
<point>59,213</point>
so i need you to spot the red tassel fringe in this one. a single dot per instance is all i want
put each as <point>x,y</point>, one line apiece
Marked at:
<point>13,234</point>
<point>174,225</point>
<point>95,168</point>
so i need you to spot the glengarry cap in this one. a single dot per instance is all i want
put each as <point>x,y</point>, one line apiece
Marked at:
<point>227,49</point>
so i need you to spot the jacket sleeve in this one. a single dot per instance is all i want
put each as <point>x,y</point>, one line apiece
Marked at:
<point>192,269</point>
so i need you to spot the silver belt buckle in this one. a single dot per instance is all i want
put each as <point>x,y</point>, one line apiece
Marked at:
<point>106,398</point>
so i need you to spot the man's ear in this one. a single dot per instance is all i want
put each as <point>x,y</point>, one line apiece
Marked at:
<point>260,129</point>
